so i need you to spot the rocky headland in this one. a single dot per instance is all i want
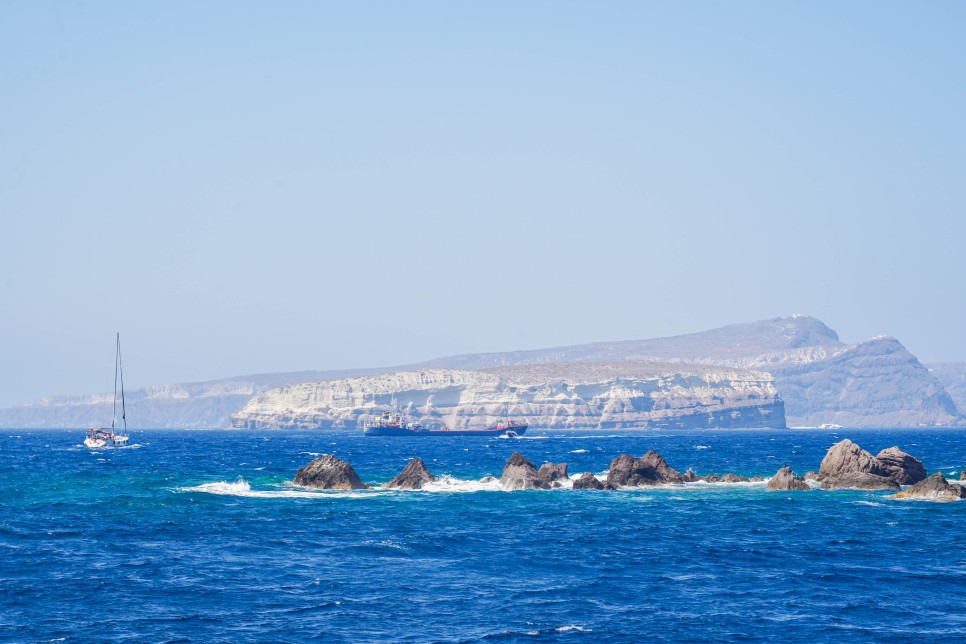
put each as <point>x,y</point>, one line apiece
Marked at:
<point>761,374</point>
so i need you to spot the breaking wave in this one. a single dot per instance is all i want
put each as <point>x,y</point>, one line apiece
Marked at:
<point>241,488</point>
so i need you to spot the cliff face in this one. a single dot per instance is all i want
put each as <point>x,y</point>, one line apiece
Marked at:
<point>877,383</point>
<point>545,396</point>
<point>952,376</point>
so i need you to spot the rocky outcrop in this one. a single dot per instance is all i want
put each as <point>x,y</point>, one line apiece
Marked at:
<point>785,480</point>
<point>845,457</point>
<point>550,473</point>
<point>848,466</point>
<point>901,467</point>
<point>962,475</point>
<point>734,478</point>
<point>934,488</point>
<point>650,469</point>
<point>329,473</point>
<point>520,474</point>
<point>413,477</point>
<point>588,481</point>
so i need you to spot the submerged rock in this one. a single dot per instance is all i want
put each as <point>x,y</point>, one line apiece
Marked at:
<point>520,474</point>
<point>650,469</point>
<point>786,480</point>
<point>329,473</point>
<point>934,488</point>
<point>901,467</point>
<point>551,472</point>
<point>413,477</point>
<point>859,481</point>
<point>588,481</point>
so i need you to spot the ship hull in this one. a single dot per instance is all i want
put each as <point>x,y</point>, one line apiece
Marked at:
<point>512,430</point>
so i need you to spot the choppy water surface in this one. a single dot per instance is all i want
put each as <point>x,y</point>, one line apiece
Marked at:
<point>199,536</point>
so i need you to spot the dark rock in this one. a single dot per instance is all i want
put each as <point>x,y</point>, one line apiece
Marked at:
<point>811,475</point>
<point>859,481</point>
<point>901,467</point>
<point>845,458</point>
<point>556,484</point>
<point>588,481</point>
<point>711,478</point>
<point>934,488</point>
<point>848,466</point>
<point>329,473</point>
<point>734,478</point>
<point>550,472</point>
<point>785,480</point>
<point>413,477</point>
<point>520,474</point>
<point>650,469</point>
<point>757,479</point>
<point>665,472</point>
<point>962,475</point>
<point>690,476</point>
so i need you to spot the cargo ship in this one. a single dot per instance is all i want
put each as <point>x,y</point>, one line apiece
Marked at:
<point>391,423</point>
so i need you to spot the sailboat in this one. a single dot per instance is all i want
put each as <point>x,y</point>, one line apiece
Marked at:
<point>102,436</point>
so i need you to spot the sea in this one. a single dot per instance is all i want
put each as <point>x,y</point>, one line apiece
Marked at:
<point>200,536</point>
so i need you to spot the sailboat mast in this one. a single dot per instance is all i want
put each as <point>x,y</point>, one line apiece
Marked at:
<point>120,369</point>
<point>117,357</point>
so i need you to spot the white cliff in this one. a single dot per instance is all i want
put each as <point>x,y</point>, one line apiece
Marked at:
<point>630,394</point>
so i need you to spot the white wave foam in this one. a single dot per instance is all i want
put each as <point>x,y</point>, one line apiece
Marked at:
<point>241,488</point>
<point>574,627</point>
<point>579,451</point>
<point>448,483</point>
<point>870,503</point>
<point>702,447</point>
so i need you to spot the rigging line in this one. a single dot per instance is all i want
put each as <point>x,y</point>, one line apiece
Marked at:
<point>120,365</point>
<point>117,357</point>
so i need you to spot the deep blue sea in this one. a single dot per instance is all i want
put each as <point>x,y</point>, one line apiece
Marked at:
<point>199,536</point>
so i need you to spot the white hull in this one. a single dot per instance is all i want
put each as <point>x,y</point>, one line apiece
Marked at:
<point>104,438</point>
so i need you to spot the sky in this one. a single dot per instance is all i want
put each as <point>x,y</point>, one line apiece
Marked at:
<point>248,187</point>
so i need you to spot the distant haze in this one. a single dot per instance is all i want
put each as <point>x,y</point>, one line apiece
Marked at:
<point>247,188</point>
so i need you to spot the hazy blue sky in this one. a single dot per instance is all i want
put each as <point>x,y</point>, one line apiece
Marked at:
<point>249,187</point>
